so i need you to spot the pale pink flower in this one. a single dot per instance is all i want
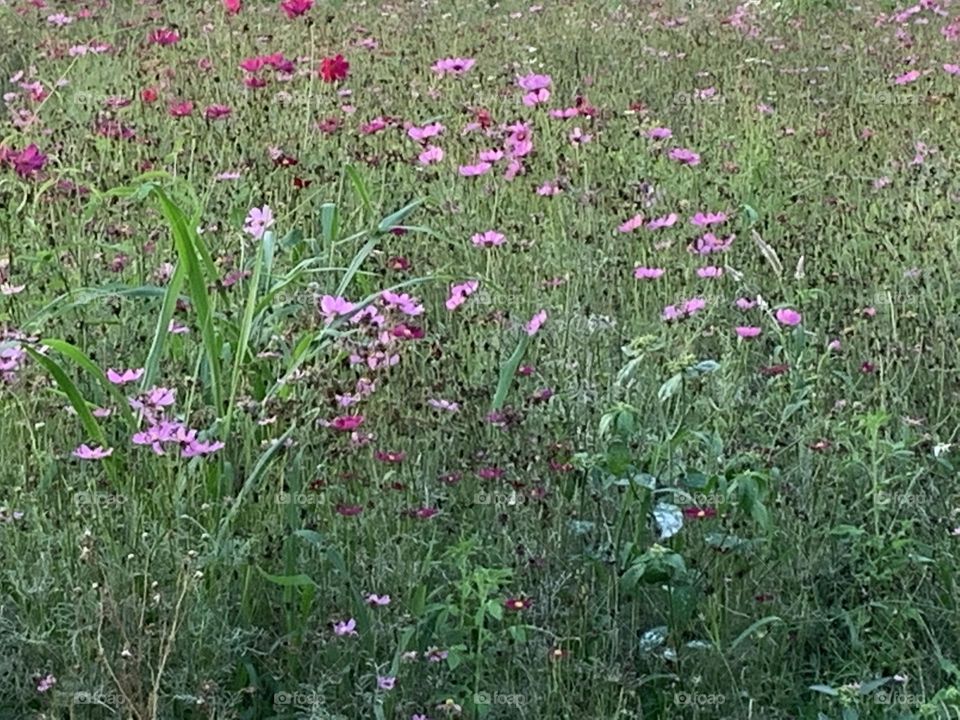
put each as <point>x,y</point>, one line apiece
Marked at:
<point>788,316</point>
<point>536,322</point>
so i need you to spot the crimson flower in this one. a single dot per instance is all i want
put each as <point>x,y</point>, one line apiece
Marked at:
<point>334,68</point>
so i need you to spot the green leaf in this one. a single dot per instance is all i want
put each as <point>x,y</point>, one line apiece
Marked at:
<point>670,387</point>
<point>394,219</point>
<point>300,580</point>
<point>77,401</point>
<point>825,689</point>
<point>508,372</point>
<point>753,628</point>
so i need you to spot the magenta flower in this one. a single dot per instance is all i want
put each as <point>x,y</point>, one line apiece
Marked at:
<point>788,316</point>
<point>711,271</point>
<point>124,376</point>
<point>28,161</point>
<point>45,683</point>
<point>404,303</point>
<point>647,273</point>
<point>386,682</point>
<point>536,322</point>
<point>85,452</point>
<point>453,66</point>
<point>490,238</point>
<point>693,305</point>
<point>745,303</point>
<point>216,112</point>
<point>684,156</point>
<point>346,423</point>
<point>632,224</point>
<point>747,331</point>
<point>163,37</point>
<point>378,600</point>
<point>295,8</point>
<point>710,243</point>
<point>196,448</point>
<point>345,627</point>
<point>257,222</point>
<point>951,68</point>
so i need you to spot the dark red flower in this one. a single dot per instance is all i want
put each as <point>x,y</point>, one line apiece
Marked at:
<point>774,370</point>
<point>347,423</point>
<point>349,510</point>
<point>820,446</point>
<point>334,68</point>
<point>407,332</point>
<point>398,263</point>
<point>699,513</point>
<point>450,478</point>
<point>517,604</point>
<point>390,457</point>
<point>149,95</point>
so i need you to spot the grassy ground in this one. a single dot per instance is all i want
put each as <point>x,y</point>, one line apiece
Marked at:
<point>726,490</point>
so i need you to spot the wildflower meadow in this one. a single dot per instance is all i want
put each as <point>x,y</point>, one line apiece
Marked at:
<point>429,359</point>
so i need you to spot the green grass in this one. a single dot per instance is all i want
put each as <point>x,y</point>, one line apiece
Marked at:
<point>820,580</point>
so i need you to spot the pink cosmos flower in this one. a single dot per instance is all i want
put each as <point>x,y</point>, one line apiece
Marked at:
<point>662,222</point>
<point>951,69</point>
<point>565,113</point>
<point>537,97</point>
<point>705,219</point>
<point>533,82</point>
<point>684,156</point>
<point>232,7</point>
<point>548,189</point>
<point>659,133</point>
<point>386,682</point>
<point>402,302</point>
<point>747,331</point>
<point>332,307</point>
<point>432,154</point>
<point>647,273</point>
<point>453,66</point>
<point>481,168</point>
<point>446,405</point>
<point>490,238</point>
<point>907,77</point>
<point>788,316</point>
<point>745,303</point>
<point>124,376</point>
<point>710,243</point>
<point>345,627</point>
<point>257,222</point>
<point>427,131</point>
<point>536,322</point>
<point>514,168</point>
<point>378,600</point>
<point>459,293</point>
<point>711,271</point>
<point>490,156</point>
<point>85,452</point>
<point>632,224</point>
